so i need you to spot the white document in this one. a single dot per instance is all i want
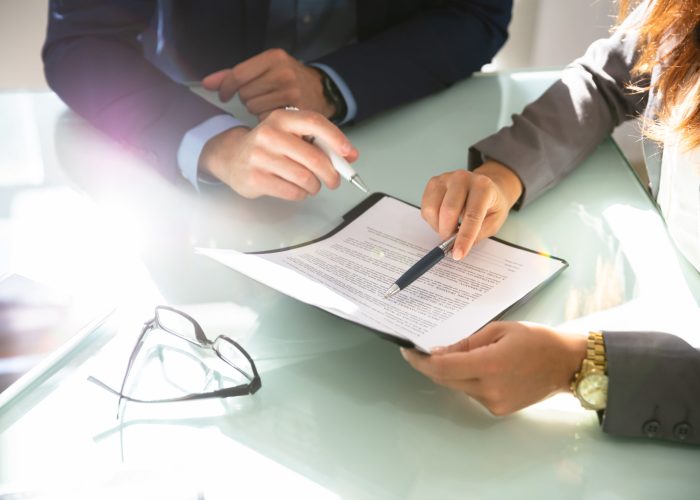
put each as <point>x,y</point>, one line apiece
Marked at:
<point>348,272</point>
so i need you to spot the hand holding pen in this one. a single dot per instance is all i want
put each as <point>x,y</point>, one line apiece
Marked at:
<point>480,199</point>
<point>340,164</point>
<point>273,159</point>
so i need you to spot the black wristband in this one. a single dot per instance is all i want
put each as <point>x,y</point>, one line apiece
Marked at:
<point>334,97</point>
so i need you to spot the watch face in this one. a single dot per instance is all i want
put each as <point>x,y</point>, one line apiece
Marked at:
<point>593,389</point>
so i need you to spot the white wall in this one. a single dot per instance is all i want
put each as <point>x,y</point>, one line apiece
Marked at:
<point>552,33</point>
<point>546,33</point>
<point>22,30</point>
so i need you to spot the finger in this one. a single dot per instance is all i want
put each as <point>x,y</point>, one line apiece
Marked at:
<point>432,199</point>
<point>478,390</point>
<point>254,67</point>
<point>489,334</point>
<point>453,204</point>
<point>273,185</point>
<point>267,103</point>
<point>229,86</point>
<point>473,388</point>
<point>352,156</point>
<point>259,88</point>
<point>463,345</point>
<point>213,81</point>
<point>478,203</point>
<point>304,123</point>
<point>308,156</point>
<point>247,72</point>
<point>450,366</point>
<point>289,170</point>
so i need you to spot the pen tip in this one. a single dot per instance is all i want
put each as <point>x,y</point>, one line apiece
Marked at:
<point>392,291</point>
<point>357,182</point>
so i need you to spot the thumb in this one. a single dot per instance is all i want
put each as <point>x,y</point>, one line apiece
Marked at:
<point>487,335</point>
<point>214,80</point>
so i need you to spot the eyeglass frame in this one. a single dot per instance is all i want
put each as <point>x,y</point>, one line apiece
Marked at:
<point>203,341</point>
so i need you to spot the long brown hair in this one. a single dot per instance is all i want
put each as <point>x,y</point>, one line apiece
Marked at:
<point>669,39</point>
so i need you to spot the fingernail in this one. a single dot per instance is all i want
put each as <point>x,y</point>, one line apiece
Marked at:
<point>346,149</point>
<point>438,350</point>
<point>404,352</point>
<point>457,254</point>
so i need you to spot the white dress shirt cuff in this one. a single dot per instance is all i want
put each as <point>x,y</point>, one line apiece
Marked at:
<point>193,142</point>
<point>344,90</point>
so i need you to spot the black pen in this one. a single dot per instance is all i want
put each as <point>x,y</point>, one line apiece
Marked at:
<point>422,266</point>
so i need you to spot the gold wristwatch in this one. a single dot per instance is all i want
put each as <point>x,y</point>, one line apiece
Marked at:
<point>590,384</point>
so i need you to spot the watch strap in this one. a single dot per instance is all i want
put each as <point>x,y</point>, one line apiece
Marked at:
<point>594,362</point>
<point>595,351</point>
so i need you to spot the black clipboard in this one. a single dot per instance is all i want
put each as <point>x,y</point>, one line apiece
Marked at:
<point>368,203</point>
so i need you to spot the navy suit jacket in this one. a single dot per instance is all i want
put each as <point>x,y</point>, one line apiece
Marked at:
<point>94,58</point>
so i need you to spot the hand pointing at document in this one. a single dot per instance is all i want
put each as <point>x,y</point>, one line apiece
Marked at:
<point>480,200</point>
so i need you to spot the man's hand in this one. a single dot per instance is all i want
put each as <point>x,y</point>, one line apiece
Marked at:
<point>272,159</point>
<point>270,80</point>
<point>505,366</point>
<point>481,199</point>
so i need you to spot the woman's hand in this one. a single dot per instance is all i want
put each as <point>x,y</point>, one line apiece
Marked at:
<point>480,199</point>
<point>506,366</point>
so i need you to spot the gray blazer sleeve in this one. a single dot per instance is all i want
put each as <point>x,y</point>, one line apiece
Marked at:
<point>561,128</point>
<point>654,388</point>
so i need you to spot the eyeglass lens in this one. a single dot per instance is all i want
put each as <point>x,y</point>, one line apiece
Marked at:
<point>176,323</point>
<point>230,353</point>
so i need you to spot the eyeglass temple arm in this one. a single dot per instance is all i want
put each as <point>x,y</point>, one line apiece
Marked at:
<point>239,390</point>
<point>134,352</point>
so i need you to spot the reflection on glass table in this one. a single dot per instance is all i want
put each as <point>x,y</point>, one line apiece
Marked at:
<point>30,314</point>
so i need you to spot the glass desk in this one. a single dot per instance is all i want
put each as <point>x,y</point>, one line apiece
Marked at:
<point>340,414</point>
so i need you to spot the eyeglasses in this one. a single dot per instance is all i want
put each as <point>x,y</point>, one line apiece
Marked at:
<point>182,325</point>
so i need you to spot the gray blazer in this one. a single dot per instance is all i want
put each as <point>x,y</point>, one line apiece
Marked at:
<point>654,377</point>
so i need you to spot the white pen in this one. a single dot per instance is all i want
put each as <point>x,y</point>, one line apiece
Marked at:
<point>340,164</point>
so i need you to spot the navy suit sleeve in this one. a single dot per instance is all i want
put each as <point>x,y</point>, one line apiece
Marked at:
<point>654,388</point>
<point>438,44</point>
<point>94,62</point>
